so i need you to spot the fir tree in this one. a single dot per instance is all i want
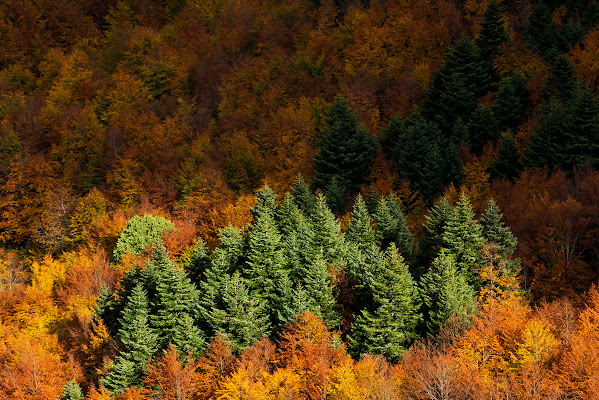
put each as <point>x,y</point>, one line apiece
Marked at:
<point>510,106</point>
<point>434,228</point>
<point>445,292</point>
<point>303,196</point>
<point>463,238</point>
<point>582,133</point>
<point>345,151</point>
<point>494,231</point>
<point>187,337</point>
<point>389,325</point>
<point>327,239</point>
<point>508,164</point>
<point>360,229</point>
<point>491,35</point>
<point>139,341</point>
<point>391,226</point>
<point>71,391</point>
<point>318,286</point>
<point>482,128</point>
<point>247,319</point>
<point>124,374</point>
<point>265,202</point>
<point>199,262</point>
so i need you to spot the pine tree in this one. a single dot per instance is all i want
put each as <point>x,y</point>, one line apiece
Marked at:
<point>124,374</point>
<point>463,238</point>
<point>445,292</point>
<point>508,164</point>
<point>247,318</point>
<point>303,196</point>
<point>482,128</point>
<point>71,391</point>
<point>389,325</point>
<point>391,226</point>
<point>139,341</point>
<point>327,239</point>
<point>345,151</point>
<point>510,106</point>
<point>360,229</point>
<point>491,35</point>
<point>494,231</point>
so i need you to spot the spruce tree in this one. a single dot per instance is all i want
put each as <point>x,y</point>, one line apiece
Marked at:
<point>463,238</point>
<point>176,299</point>
<point>434,228</point>
<point>71,391</point>
<point>327,239</point>
<point>495,231</point>
<point>187,337</point>
<point>482,129</point>
<point>346,150</point>
<point>445,292</point>
<point>510,106</point>
<point>124,374</point>
<point>247,318</point>
<point>318,287</point>
<point>389,325</point>
<point>582,133</point>
<point>491,35</point>
<point>303,196</point>
<point>508,164</point>
<point>199,262</point>
<point>391,226</point>
<point>139,341</point>
<point>360,229</point>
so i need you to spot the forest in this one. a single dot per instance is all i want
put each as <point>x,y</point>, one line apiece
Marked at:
<point>303,199</point>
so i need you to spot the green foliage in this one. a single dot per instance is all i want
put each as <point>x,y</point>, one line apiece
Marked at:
<point>71,391</point>
<point>124,373</point>
<point>141,233</point>
<point>389,324</point>
<point>512,100</point>
<point>495,231</point>
<point>345,152</point>
<point>391,226</point>
<point>360,230</point>
<point>508,164</point>
<point>482,129</point>
<point>445,293</point>
<point>302,195</point>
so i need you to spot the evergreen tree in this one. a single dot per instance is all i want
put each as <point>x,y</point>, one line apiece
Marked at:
<point>327,239</point>
<point>434,228</point>
<point>71,391</point>
<point>199,262</point>
<point>345,151</point>
<point>562,82</point>
<point>141,233</point>
<point>372,199</point>
<point>456,101</point>
<point>491,35</point>
<point>508,164</point>
<point>391,226</point>
<point>265,202</point>
<point>360,229</point>
<point>303,196</point>
<point>247,318</point>
<point>494,231</point>
<point>318,286</point>
<point>176,299</point>
<point>582,133</point>
<point>124,374</point>
<point>463,238</point>
<point>445,292</point>
<point>293,300</point>
<point>389,325</point>
<point>541,34</point>
<point>187,337</point>
<point>510,106</point>
<point>482,128</point>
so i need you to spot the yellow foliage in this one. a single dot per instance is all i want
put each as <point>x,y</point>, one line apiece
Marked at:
<point>282,384</point>
<point>537,346</point>
<point>343,383</point>
<point>46,274</point>
<point>240,386</point>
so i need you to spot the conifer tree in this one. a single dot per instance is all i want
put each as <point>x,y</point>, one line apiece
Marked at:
<point>176,299</point>
<point>247,318</point>
<point>188,338</point>
<point>508,164</point>
<point>199,262</point>
<point>327,239</point>
<point>318,286</point>
<point>482,128</point>
<point>495,231</point>
<point>345,152</point>
<point>138,339</point>
<point>124,374</point>
<point>510,106</point>
<point>445,292</point>
<point>582,132</point>
<point>71,391</point>
<point>434,228</point>
<point>265,202</point>
<point>360,229</point>
<point>303,196</point>
<point>391,226</point>
<point>389,325</point>
<point>463,238</point>
<point>491,35</point>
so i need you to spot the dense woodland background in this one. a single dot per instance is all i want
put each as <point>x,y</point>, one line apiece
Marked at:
<point>300,199</point>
